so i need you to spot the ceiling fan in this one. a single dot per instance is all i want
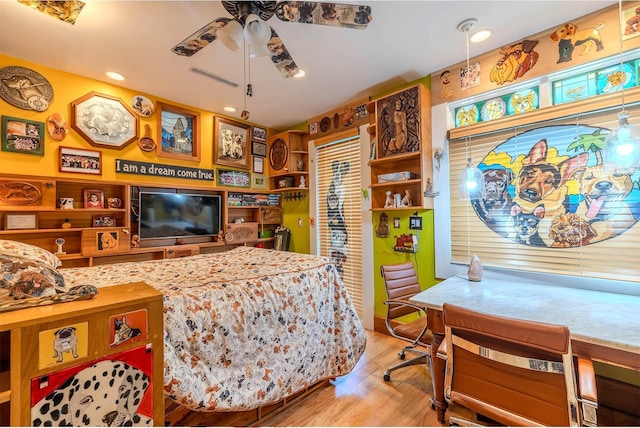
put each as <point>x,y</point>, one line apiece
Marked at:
<point>249,21</point>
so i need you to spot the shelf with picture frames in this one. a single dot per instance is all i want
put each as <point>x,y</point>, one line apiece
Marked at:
<point>401,168</point>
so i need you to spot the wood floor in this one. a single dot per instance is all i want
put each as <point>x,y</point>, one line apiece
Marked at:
<point>363,398</point>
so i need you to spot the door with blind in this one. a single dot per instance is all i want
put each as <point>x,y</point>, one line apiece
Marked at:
<point>338,205</point>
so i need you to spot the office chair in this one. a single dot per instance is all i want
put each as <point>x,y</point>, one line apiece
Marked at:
<point>401,282</point>
<point>515,372</point>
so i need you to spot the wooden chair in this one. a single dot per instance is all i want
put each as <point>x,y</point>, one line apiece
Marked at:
<point>515,372</point>
<point>401,282</point>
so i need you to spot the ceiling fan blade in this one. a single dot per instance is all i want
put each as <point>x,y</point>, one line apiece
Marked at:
<point>321,13</point>
<point>201,38</point>
<point>280,56</point>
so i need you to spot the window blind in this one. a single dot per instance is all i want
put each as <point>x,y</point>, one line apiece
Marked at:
<point>611,254</point>
<point>339,207</point>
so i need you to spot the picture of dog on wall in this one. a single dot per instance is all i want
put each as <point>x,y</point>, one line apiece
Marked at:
<point>569,37</point>
<point>547,187</point>
<point>335,212</point>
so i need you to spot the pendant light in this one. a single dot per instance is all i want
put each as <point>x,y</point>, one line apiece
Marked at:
<point>622,145</point>
<point>471,180</point>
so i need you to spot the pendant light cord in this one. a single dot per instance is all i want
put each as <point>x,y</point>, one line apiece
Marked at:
<point>624,79</point>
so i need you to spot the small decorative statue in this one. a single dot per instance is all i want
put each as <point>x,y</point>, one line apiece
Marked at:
<point>135,241</point>
<point>475,269</point>
<point>406,199</point>
<point>383,229</point>
<point>60,242</point>
<point>389,202</point>
<point>300,165</point>
<point>303,183</point>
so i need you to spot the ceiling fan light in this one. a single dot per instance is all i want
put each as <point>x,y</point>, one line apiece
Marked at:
<point>231,36</point>
<point>258,51</point>
<point>256,31</point>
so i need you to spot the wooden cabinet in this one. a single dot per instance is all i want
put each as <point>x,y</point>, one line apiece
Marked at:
<point>31,211</point>
<point>288,160</point>
<point>25,356</point>
<point>401,126</point>
<point>250,219</point>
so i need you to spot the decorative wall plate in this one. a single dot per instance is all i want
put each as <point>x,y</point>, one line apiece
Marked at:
<point>24,88</point>
<point>104,121</point>
<point>57,126</point>
<point>278,154</point>
<point>143,106</point>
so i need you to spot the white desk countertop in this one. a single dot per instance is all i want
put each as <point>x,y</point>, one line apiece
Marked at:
<point>607,319</point>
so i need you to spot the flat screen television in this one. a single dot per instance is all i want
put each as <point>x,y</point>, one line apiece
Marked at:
<point>178,215</point>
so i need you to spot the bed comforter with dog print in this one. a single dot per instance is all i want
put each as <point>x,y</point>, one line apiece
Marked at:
<point>246,327</point>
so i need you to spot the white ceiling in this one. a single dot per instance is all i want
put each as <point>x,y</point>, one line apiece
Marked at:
<point>406,40</point>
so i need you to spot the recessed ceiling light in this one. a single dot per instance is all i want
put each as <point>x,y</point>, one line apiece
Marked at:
<point>480,35</point>
<point>229,109</point>
<point>300,73</point>
<point>115,76</point>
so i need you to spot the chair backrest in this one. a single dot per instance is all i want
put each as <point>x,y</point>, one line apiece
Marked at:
<point>513,371</point>
<point>401,282</point>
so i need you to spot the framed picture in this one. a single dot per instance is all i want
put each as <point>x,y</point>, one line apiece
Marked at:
<point>259,149</point>
<point>104,121</point>
<point>231,178</point>
<point>93,198</point>
<point>179,133</point>
<point>22,136</point>
<point>103,221</point>
<point>80,160</point>
<point>259,134</point>
<point>20,221</point>
<point>258,164</point>
<point>231,143</point>
<point>258,181</point>
<point>107,241</point>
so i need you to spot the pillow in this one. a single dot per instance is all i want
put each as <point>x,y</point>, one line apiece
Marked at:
<point>28,251</point>
<point>26,278</point>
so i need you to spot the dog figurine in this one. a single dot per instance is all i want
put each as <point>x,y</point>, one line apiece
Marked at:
<point>570,230</point>
<point>569,37</point>
<point>123,331</point>
<point>526,226</point>
<point>65,340</point>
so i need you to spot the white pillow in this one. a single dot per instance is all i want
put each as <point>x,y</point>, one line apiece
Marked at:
<point>30,252</point>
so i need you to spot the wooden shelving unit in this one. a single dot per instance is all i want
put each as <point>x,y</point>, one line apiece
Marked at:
<point>288,161</point>
<point>27,198</point>
<point>416,163</point>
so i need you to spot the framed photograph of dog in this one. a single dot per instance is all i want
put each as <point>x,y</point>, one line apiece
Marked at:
<point>22,136</point>
<point>179,133</point>
<point>231,143</point>
<point>259,134</point>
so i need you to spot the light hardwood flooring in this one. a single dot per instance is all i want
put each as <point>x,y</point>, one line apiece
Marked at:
<point>363,398</point>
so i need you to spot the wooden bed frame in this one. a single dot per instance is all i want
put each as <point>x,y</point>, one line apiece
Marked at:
<point>177,415</point>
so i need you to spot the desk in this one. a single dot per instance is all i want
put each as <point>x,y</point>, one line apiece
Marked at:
<point>604,326</point>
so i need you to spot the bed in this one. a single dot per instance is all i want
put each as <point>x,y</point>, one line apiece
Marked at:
<point>246,327</point>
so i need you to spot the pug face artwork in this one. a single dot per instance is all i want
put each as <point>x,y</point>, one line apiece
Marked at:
<point>65,340</point>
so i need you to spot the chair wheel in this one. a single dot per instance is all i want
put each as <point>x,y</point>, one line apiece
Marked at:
<point>401,355</point>
<point>386,376</point>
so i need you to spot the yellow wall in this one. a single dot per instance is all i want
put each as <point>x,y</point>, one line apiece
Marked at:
<point>69,87</point>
